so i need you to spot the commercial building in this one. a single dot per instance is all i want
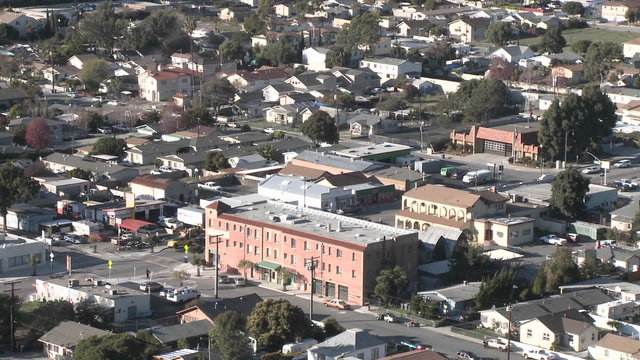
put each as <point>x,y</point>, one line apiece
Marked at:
<point>27,218</point>
<point>347,253</point>
<point>17,250</point>
<point>307,194</point>
<point>123,303</point>
<point>517,140</point>
<point>385,152</point>
<point>156,187</point>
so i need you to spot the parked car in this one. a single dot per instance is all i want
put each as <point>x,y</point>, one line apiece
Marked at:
<point>338,304</point>
<point>539,355</point>
<point>171,223</point>
<point>496,344</point>
<point>70,237</point>
<point>105,130</point>
<point>458,174</point>
<point>210,185</point>
<point>183,294</point>
<point>591,170</point>
<point>150,286</point>
<point>80,240</point>
<point>611,243</point>
<point>156,172</point>
<point>465,355</point>
<point>390,318</point>
<point>573,237</point>
<point>120,128</point>
<point>73,95</point>
<point>545,178</point>
<point>165,169</point>
<point>269,130</point>
<point>240,281</point>
<point>622,164</point>
<point>224,279</point>
<point>114,102</point>
<point>126,163</point>
<point>554,240</point>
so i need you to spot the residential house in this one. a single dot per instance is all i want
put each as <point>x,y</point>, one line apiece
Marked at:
<point>208,311</point>
<point>616,11</point>
<point>566,57</point>
<point>297,98</point>
<point>251,161</point>
<point>190,162</point>
<point>410,28</point>
<point>622,219</point>
<point>334,164</point>
<point>208,66</point>
<point>60,163</point>
<point>188,354</point>
<point>61,341</point>
<point>247,138</point>
<point>456,299</point>
<point>65,188</point>
<point>315,58</point>
<point>622,95</point>
<point>626,261</point>
<point>631,48</point>
<point>163,84</point>
<point>78,61</point>
<point>567,304</point>
<point>273,93</point>
<point>367,190</point>
<point>147,153</point>
<point>12,96</point>
<point>390,68</point>
<point>542,22</point>
<point>249,81</point>
<point>306,194</point>
<point>22,23</point>
<point>284,114</point>
<point>256,231</point>
<point>513,53</point>
<point>356,80</point>
<point>352,343</point>
<point>192,331</point>
<point>155,187</point>
<point>6,138</point>
<point>613,346</point>
<point>469,30</point>
<point>146,131</point>
<point>438,243</point>
<point>480,214</point>
<point>617,310</point>
<point>313,81</point>
<point>238,13</point>
<point>381,47</point>
<point>56,128</point>
<point>553,330</point>
<point>285,10</point>
<point>574,74</point>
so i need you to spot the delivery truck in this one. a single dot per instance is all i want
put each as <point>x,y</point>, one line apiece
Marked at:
<point>478,177</point>
<point>191,215</point>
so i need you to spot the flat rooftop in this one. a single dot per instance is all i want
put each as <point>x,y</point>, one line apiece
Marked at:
<point>15,240</point>
<point>88,287</point>
<point>510,220</point>
<point>522,127</point>
<point>319,223</point>
<point>371,150</point>
<point>542,191</point>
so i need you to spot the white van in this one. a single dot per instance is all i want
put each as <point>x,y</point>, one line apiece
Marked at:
<point>611,243</point>
<point>479,176</point>
<point>183,294</point>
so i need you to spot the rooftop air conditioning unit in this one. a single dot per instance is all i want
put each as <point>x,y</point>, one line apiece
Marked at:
<point>74,283</point>
<point>113,292</point>
<point>97,283</point>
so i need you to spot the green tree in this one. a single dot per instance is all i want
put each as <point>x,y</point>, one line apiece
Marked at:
<point>332,327</point>
<point>91,120</point>
<point>391,104</point>
<point>470,263</point>
<point>631,15</point>
<point>163,29</point>
<point>42,316</point>
<point>561,269</point>
<point>229,338</point>
<point>499,33</point>
<point>89,312</point>
<point>33,262</point>
<point>496,289</point>
<point>568,192</point>
<point>217,92</point>
<point>540,282</point>
<point>93,72</point>
<point>552,41</point>
<point>198,262</point>
<point>14,188</point>
<point>471,103</point>
<point>79,174</point>
<point>114,347</point>
<point>424,307</point>
<point>8,34</point>
<point>232,49</point>
<point>363,30</point>
<point>337,56</point>
<point>16,111</point>
<point>285,276</point>
<point>320,127</point>
<point>275,322</point>
<point>109,146</point>
<point>245,265</point>
<point>254,25</point>
<point>277,135</point>
<point>573,8</point>
<point>101,27</point>
<point>581,46</point>
<point>215,161</point>
<point>599,58</point>
<point>183,344</point>
<point>269,151</point>
<point>390,284</point>
<point>551,133</point>
<point>282,53</point>
<point>265,9</point>
<point>245,128</point>
<point>151,117</point>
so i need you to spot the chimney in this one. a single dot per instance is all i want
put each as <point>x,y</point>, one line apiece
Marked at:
<point>329,227</point>
<point>339,229</point>
<point>465,282</point>
<point>493,189</point>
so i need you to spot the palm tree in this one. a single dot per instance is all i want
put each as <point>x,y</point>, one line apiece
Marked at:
<point>244,265</point>
<point>34,261</point>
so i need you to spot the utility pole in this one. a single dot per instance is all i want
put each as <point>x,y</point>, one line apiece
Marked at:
<point>215,270</point>
<point>13,310</point>
<point>311,264</point>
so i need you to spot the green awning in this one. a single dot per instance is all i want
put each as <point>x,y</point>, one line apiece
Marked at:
<point>268,265</point>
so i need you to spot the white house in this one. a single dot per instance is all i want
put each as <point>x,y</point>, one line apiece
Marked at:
<point>163,84</point>
<point>314,58</point>
<point>631,47</point>
<point>307,194</point>
<point>513,53</point>
<point>390,68</point>
<point>17,250</point>
<point>352,343</point>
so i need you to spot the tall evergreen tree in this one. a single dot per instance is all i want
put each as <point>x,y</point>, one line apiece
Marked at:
<point>551,132</point>
<point>568,192</point>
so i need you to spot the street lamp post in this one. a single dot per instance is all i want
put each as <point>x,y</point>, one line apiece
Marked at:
<point>600,161</point>
<point>566,135</point>
<point>215,270</point>
<point>510,310</point>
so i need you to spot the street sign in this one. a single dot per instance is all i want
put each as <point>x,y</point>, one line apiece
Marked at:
<point>605,164</point>
<point>491,165</point>
<point>186,249</point>
<point>51,256</point>
<point>110,263</point>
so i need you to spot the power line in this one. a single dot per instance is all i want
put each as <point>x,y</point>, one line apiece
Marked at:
<point>13,310</point>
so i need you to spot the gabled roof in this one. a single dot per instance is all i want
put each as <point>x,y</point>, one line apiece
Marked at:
<point>88,165</point>
<point>515,50</point>
<point>69,333</point>
<point>243,305</point>
<point>562,323</point>
<point>167,334</point>
<point>307,172</point>
<point>453,197</point>
<point>263,73</point>
<point>346,179</point>
<point>620,343</point>
<point>12,94</point>
<point>346,342</point>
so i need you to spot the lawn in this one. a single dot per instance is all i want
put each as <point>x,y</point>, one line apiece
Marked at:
<point>593,34</point>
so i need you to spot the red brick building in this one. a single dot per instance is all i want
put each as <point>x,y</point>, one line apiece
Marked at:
<point>512,140</point>
<point>349,253</point>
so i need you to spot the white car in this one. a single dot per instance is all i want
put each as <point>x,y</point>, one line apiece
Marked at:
<point>156,172</point>
<point>114,102</point>
<point>622,164</point>
<point>554,240</point>
<point>105,130</point>
<point>73,95</point>
<point>496,344</point>
<point>171,223</point>
<point>591,170</point>
<point>240,281</point>
<point>269,130</point>
<point>539,355</point>
<point>165,169</point>
<point>183,294</point>
<point>210,185</point>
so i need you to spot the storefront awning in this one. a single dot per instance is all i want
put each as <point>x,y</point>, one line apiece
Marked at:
<point>133,224</point>
<point>268,265</point>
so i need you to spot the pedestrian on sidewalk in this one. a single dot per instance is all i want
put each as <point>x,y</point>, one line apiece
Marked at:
<point>148,274</point>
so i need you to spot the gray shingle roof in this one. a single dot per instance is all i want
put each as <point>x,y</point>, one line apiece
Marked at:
<point>68,334</point>
<point>338,161</point>
<point>88,165</point>
<point>167,334</point>
<point>347,342</point>
<point>243,305</point>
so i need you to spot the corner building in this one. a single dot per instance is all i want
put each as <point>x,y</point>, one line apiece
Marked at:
<point>277,237</point>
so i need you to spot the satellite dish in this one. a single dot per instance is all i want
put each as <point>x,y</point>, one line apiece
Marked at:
<point>108,287</point>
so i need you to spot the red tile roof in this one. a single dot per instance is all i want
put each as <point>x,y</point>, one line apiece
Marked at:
<point>495,135</point>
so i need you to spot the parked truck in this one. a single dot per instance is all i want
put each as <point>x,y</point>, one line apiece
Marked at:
<point>478,177</point>
<point>446,171</point>
<point>429,166</point>
<point>191,215</point>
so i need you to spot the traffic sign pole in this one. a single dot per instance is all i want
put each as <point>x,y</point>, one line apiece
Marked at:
<point>110,264</point>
